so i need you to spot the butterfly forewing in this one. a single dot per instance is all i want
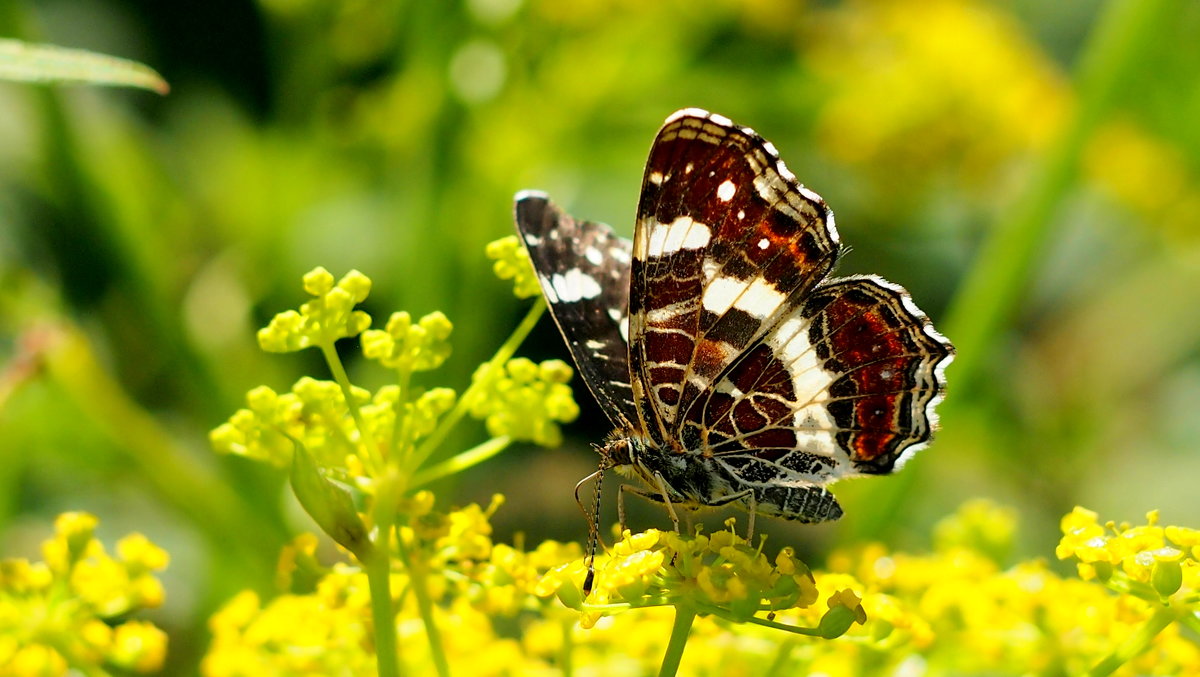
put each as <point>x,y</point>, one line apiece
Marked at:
<point>583,268</point>
<point>725,241</point>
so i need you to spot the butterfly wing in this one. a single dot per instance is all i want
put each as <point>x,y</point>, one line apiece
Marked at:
<point>725,243</point>
<point>776,379</point>
<point>844,384</point>
<point>584,269</point>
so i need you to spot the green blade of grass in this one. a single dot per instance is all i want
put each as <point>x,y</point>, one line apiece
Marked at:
<point>28,62</point>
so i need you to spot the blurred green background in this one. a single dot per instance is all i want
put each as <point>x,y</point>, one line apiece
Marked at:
<point>1028,170</point>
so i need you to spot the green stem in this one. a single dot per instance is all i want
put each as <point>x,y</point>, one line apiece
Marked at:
<point>796,630</point>
<point>400,425</point>
<point>343,381</point>
<point>420,590</point>
<point>993,288</point>
<point>568,648</point>
<point>502,355</point>
<point>1191,620</point>
<point>684,617</point>
<point>379,580</point>
<point>460,462</point>
<point>1138,641</point>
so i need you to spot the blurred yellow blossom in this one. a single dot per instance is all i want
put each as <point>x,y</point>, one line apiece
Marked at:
<point>407,346</point>
<point>913,86</point>
<point>935,89</point>
<point>73,610</point>
<point>524,400</point>
<point>512,263</point>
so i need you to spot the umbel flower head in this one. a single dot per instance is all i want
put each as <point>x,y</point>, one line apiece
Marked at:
<point>719,574</point>
<point>71,611</point>
<point>524,400</point>
<point>329,316</point>
<point>1156,563</point>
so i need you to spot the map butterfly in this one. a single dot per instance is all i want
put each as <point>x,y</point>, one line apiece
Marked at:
<point>733,369</point>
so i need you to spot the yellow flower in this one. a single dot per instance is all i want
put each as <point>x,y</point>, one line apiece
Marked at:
<point>72,611</point>
<point>423,346</point>
<point>524,400</point>
<point>329,316</point>
<point>512,263</point>
<point>139,646</point>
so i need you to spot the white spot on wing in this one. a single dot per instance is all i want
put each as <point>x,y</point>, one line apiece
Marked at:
<point>759,298</point>
<point>726,190</point>
<point>764,243</point>
<point>594,256</point>
<point>810,380</point>
<point>574,285</point>
<point>682,233</point>
<point>656,178</point>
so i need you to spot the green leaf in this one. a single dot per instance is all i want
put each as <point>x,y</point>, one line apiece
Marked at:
<point>28,62</point>
<point>329,504</point>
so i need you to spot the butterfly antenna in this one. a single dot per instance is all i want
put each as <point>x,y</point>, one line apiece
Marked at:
<point>593,526</point>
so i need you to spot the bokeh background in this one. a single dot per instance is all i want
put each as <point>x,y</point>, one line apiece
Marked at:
<point>1029,170</point>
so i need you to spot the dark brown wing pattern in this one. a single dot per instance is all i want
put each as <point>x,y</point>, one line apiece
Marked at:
<point>745,357</point>
<point>584,271</point>
<point>724,244</point>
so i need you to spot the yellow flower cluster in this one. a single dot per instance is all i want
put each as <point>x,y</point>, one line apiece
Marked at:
<point>356,458</point>
<point>410,347</point>
<point>329,316</point>
<point>721,574</point>
<point>512,263</point>
<point>1154,562</point>
<point>474,583</point>
<point>956,610</point>
<point>316,415</point>
<point>69,612</point>
<point>524,400</point>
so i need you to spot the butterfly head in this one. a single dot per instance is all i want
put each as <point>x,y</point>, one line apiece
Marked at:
<point>617,453</point>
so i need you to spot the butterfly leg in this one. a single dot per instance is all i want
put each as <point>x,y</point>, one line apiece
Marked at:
<point>752,506</point>
<point>655,496</point>
<point>666,498</point>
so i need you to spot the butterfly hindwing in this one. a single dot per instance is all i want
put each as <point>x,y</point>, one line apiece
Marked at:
<point>583,268</point>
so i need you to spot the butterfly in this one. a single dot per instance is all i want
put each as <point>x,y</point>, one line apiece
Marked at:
<point>733,368</point>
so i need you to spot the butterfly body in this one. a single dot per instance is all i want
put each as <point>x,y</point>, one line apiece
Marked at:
<point>733,369</point>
